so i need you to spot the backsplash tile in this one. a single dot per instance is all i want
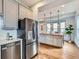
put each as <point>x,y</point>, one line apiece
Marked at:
<point>3,33</point>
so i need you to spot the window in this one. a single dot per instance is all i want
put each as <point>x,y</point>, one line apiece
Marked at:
<point>62,27</point>
<point>55,27</point>
<point>48,28</point>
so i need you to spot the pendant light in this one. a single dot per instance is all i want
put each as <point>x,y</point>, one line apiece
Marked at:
<point>50,17</point>
<point>44,17</point>
<point>50,22</point>
<point>58,18</point>
<point>58,21</point>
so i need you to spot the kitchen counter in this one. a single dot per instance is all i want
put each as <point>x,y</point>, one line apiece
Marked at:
<point>55,39</point>
<point>4,41</point>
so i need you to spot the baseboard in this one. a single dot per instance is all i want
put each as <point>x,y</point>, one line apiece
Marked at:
<point>51,45</point>
<point>76,44</point>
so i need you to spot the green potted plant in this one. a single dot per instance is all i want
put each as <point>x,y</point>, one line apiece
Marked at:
<point>69,31</point>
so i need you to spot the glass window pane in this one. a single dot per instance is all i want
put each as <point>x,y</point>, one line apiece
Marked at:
<point>48,28</point>
<point>55,30</point>
<point>62,25</point>
<point>55,25</point>
<point>62,30</point>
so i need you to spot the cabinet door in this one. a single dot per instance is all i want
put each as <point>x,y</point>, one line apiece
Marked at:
<point>0,6</point>
<point>10,14</point>
<point>24,12</point>
<point>29,14</point>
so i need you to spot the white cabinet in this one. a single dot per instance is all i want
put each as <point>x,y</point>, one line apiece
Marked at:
<point>10,14</point>
<point>29,14</point>
<point>0,6</point>
<point>24,12</point>
<point>51,40</point>
<point>41,39</point>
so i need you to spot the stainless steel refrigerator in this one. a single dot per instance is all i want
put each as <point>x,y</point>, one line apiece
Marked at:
<point>28,32</point>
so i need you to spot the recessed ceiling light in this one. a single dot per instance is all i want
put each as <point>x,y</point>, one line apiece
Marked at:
<point>62,5</point>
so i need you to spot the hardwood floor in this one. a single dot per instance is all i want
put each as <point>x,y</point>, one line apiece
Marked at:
<point>69,51</point>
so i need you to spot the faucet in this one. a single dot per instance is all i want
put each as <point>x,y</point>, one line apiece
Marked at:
<point>9,37</point>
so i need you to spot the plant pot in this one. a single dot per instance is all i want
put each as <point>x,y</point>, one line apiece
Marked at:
<point>66,37</point>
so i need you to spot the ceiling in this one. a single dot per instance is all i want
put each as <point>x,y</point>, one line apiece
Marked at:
<point>31,2</point>
<point>54,3</point>
<point>46,3</point>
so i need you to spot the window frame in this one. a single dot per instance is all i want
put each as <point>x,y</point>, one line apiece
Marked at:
<point>51,30</point>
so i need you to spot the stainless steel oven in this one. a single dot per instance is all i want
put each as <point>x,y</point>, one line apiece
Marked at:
<point>11,51</point>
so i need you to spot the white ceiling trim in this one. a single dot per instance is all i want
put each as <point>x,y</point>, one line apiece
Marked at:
<point>23,4</point>
<point>36,3</point>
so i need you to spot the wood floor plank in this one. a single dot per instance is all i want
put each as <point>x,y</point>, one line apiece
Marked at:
<point>69,51</point>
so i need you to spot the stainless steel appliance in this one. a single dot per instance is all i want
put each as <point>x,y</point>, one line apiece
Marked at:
<point>11,51</point>
<point>31,50</point>
<point>28,31</point>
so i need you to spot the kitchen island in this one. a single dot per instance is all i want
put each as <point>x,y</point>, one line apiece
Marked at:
<point>54,39</point>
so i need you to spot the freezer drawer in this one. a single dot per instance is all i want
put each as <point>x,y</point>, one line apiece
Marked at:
<point>11,51</point>
<point>31,50</point>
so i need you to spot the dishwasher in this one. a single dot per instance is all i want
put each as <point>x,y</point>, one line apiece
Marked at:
<point>11,51</point>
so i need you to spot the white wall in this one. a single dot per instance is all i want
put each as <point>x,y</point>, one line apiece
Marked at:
<point>77,31</point>
<point>71,21</point>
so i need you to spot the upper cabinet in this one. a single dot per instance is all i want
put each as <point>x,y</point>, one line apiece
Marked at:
<point>22,12</point>
<point>10,14</point>
<point>25,13</point>
<point>0,6</point>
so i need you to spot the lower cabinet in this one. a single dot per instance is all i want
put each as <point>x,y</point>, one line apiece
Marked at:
<point>50,40</point>
<point>11,51</point>
<point>41,39</point>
